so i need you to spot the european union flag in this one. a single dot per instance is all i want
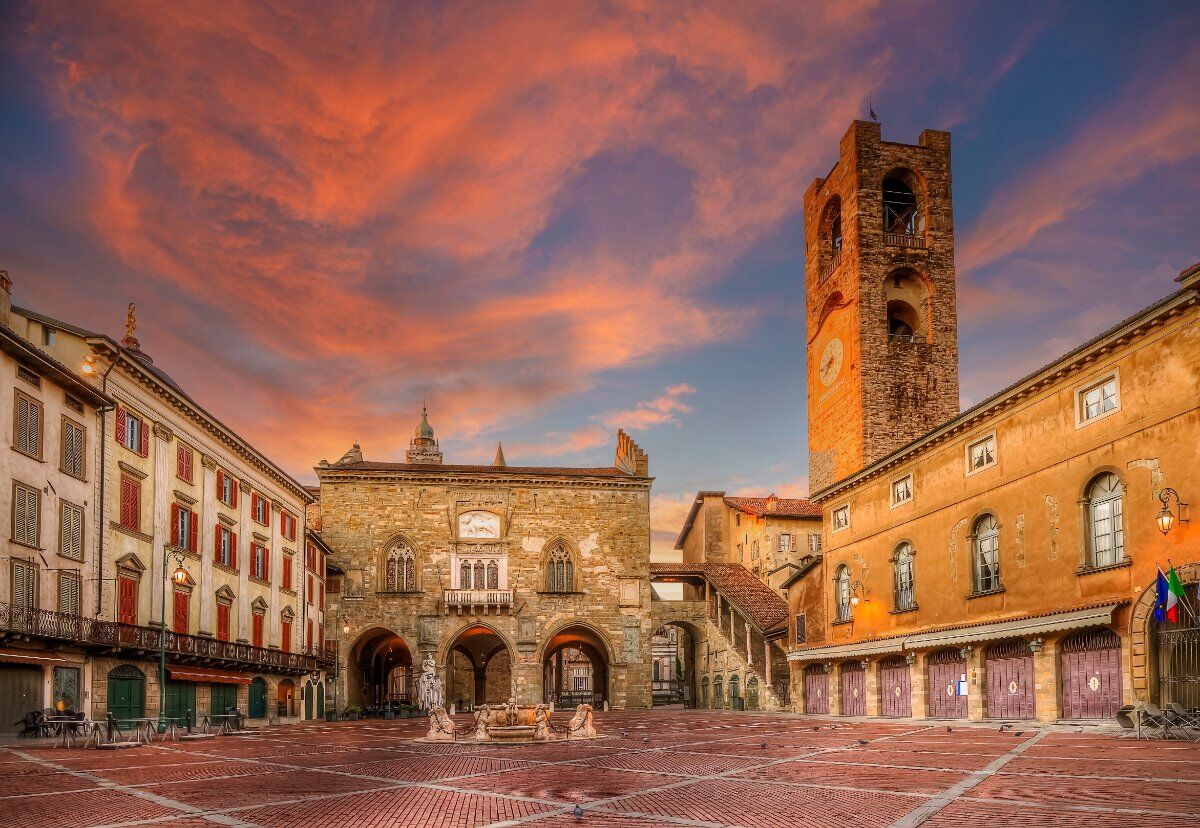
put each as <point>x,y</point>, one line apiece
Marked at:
<point>1160,598</point>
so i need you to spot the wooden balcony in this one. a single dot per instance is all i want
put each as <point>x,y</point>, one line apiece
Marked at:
<point>137,641</point>
<point>485,599</point>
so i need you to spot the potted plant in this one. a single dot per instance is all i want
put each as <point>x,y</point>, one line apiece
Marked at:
<point>331,715</point>
<point>353,711</point>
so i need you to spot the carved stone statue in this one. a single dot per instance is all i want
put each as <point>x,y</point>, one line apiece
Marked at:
<point>541,722</point>
<point>510,712</point>
<point>481,723</point>
<point>580,726</point>
<point>441,728</point>
<point>429,690</point>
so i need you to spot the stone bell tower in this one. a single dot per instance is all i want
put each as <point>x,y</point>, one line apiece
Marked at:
<point>424,449</point>
<point>882,331</point>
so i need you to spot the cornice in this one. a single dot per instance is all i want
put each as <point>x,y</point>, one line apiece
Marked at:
<point>477,479</point>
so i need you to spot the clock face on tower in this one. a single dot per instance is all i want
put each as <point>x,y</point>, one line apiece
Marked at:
<point>831,361</point>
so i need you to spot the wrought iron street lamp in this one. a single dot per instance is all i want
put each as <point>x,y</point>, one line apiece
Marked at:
<point>179,577</point>
<point>1166,518</point>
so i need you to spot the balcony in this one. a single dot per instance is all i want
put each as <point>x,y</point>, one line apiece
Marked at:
<point>469,599</point>
<point>904,240</point>
<point>138,641</point>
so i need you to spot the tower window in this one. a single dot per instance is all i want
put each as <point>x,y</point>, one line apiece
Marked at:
<point>901,208</point>
<point>831,236</point>
<point>907,298</point>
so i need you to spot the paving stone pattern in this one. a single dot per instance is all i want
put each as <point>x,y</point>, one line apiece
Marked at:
<point>698,768</point>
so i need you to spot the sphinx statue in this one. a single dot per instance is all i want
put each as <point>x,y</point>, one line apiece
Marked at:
<point>580,726</point>
<point>441,728</point>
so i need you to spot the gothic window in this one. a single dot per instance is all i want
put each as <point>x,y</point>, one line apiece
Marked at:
<point>902,563</point>
<point>1107,535</point>
<point>400,568</point>
<point>493,575</point>
<point>560,570</point>
<point>480,583</point>
<point>842,592</point>
<point>986,544</point>
<point>464,575</point>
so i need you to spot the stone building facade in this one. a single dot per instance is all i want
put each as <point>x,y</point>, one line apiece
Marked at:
<point>492,570</point>
<point>1002,563</point>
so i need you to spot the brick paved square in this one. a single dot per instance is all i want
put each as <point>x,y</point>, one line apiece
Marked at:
<point>699,768</point>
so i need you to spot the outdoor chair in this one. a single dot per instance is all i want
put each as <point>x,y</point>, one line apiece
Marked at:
<point>29,724</point>
<point>1181,717</point>
<point>1125,718</point>
<point>1154,717</point>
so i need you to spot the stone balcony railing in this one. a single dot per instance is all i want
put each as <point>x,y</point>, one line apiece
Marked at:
<point>461,599</point>
<point>903,240</point>
<point>110,636</point>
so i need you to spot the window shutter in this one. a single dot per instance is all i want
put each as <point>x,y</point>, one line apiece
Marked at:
<point>72,448</point>
<point>68,593</point>
<point>71,544</point>
<point>22,584</point>
<point>181,612</point>
<point>220,484</point>
<point>233,489</point>
<point>175,540</point>
<point>145,450</point>
<point>121,424</point>
<point>193,531</point>
<point>233,550</point>
<point>127,601</point>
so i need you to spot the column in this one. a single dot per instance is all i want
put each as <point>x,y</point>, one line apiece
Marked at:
<point>749,652</point>
<point>976,684</point>
<point>834,688</point>
<point>1045,679</point>
<point>207,516</point>
<point>162,520</point>
<point>871,687</point>
<point>274,603</point>
<point>244,532</point>
<point>766,667</point>
<point>918,680</point>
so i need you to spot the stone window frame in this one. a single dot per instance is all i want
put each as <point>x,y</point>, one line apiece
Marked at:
<point>559,557</point>
<point>974,538</point>
<point>1087,555</point>
<point>970,444</point>
<point>904,545</point>
<point>912,490</point>
<point>1098,380</point>
<point>833,519</point>
<point>407,568</point>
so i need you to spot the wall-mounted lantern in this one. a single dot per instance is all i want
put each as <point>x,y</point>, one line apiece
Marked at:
<point>1166,518</point>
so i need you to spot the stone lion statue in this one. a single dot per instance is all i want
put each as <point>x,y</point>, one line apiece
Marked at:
<point>441,728</point>
<point>481,723</point>
<point>580,726</point>
<point>541,722</point>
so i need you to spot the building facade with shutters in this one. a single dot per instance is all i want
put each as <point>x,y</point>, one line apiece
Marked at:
<point>173,490</point>
<point>493,572</point>
<point>999,562</point>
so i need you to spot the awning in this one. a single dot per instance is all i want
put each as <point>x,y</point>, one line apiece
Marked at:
<point>30,657</point>
<point>858,648</point>
<point>1075,619</point>
<point>205,674</point>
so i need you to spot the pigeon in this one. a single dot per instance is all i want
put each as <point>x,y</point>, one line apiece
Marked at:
<point>763,745</point>
<point>578,812</point>
<point>1019,733</point>
<point>1005,727</point>
<point>624,734</point>
<point>862,741</point>
<point>949,729</point>
<point>646,740</point>
<point>818,727</point>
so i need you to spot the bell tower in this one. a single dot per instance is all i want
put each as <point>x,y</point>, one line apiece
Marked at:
<point>882,332</point>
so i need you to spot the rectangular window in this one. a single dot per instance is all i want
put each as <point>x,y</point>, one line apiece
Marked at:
<point>285,636</point>
<point>131,503</point>
<point>49,336</point>
<point>785,542</point>
<point>183,463</point>
<point>179,622</point>
<point>260,510</point>
<point>310,557</point>
<point>1108,536</point>
<point>285,580</point>
<point>322,592</point>
<point>981,454</point>
<point>184,527</point>
<point>132,432</point>
<point>814,542</point>
<point>841,518</point>
<point>28,436</point>
<point>754,550</point>
<point>127,595</point>
<point>26,515</point>
<point>287,525</point>
<point>308,636</point>
<point>226,554</point>
<point>68,593</point>
<point>222,622</point>
<point>258,561</point>
<point>1098,399</point>
<point>24,584</point>
<point>801,629</point>
<point>256,629</point>
<point>227,489</point>
<point>70,532</point>
<point>902,490</point>
<point>310,589</point>
<point>73,448</point>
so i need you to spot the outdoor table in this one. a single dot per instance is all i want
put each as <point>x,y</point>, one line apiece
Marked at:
<point>228,722</point>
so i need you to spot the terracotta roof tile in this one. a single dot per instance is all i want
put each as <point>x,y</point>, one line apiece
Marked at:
<point>783,506</point>
<point>753,599</point>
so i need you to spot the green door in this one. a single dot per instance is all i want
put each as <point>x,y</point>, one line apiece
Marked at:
<point>258,698</point>
<point>66,689</point>
<point>126,693</point>
<point>321,700</point>
<point>308,700</point>
<point>20,693</point>
<point>223,697</point>
<point>181,698</point>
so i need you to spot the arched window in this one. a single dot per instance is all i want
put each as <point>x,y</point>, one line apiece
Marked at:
<point>464,575</point>
<point>831,236</point>
<point>560,570</point>
<point>902,567</point>
<point>400,568</point>
<point>842,592</point>
<point>1104,525</point>
<point>902,214</point>
<point>907,301</point>
<point>493,575</point>
<point>480,582</point>
<point>987,554</point>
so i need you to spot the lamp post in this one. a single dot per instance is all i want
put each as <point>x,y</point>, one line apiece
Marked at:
<point>179,576</point>
<point>337,664</point>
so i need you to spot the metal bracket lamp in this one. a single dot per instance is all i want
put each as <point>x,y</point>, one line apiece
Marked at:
<point>1166,518</point>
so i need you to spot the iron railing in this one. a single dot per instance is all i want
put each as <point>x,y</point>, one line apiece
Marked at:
<point>1179,666</point>
<point>91,632</point>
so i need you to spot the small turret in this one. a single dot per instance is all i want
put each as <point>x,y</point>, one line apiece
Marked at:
<point>424,446</point>
<point>499,461</point>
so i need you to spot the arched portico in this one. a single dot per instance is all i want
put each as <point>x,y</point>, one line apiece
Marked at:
<point>479,668</point>
<point>575,666</point>
<point>379,669</point>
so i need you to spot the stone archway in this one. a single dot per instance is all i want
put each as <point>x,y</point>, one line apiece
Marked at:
<point>479,668</point>
<point>575,667</point>
<point>1146,662</point>
<point>674,673</point>
<point>379,669</point>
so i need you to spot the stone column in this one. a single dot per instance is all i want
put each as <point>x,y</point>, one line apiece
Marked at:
<point>766,666</point>
<point>276,570</point>
<point>976,684</point>
<point>207,515</point>
<point>162,516</point>
<point>871,687</point>
<point>834,688</point>
<point>749,652</point>
<point>918,681</point>
<point>1045,679</point>
<point>244,532</point>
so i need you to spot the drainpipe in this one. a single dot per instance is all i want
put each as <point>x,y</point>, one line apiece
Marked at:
<point>101,528</point>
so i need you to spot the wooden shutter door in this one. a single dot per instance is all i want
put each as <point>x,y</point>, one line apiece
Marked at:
<point>175,539</point>
<point>223,622</point>
<point>181,612</point>
<point>286,643</point>
<point>127,601</point>
<point>257,634</point>
<point>193,531</point>
<point>145,450</point>
<point>121,425</point>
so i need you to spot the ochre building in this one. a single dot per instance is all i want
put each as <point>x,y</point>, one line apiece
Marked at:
<point>999,562</point>
<point>500,573</point>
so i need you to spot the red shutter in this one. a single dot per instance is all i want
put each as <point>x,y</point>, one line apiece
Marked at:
<point>131,503</point>
<point>223,622</point>
<point>233,495</point>
<point>145,452</point>
<point>233,550</point>
<point>308,636</point>
<point>266,559</point>
<point>120,425</point>
<point>127,600</point>
<point>256,636</point>
<point>194,531</point>
<point>175,541</point>
<point>220,485</point>
<point>217,543</point>
<point>286,643</point>
<point>287,572</point>
<point>181,612</point>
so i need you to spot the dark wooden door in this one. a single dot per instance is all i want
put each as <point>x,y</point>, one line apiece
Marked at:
<point>126,693</point>
<point>895,689</point>
<point>1009,668</point>
<point>854,690</point>
<point>1091,675</point>
<point>20,693</point>
<point>945,670</point>
<point>816,691</point>
<point>181,700</point>
<point>221,697</point>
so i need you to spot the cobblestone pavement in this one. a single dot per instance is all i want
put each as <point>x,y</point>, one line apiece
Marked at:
<point>653,768</point>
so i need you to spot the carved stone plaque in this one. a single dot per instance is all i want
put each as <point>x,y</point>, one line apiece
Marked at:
<point>632,651</point>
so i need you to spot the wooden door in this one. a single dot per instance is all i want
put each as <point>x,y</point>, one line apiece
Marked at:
<point>127,600</point>
<point>1091,675</point>
<point>221,697</point>
<point>816,691</point>
<point>895,689</point>
<point>181,700</point>
<point>945,670</point>
<point>308,700</point>
<point>1009,666</point>
<point>20,693</point>
<point>258,698</point>
<point>854,689</point>
<point>126,693</point>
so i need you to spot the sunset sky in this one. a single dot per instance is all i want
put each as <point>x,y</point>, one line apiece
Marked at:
<point>552,220</point>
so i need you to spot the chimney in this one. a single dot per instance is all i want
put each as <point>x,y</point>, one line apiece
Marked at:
<point>5,298</point>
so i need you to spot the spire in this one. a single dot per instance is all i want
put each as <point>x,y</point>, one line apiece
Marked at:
<point>499,461</point>
<point>423,448</point>
<point>130,341</point>
<point>424,431</point>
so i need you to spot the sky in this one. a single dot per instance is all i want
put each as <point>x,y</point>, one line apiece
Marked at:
<point>551,220</point>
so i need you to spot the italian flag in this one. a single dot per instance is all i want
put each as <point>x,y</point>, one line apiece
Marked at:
<point>1174,595</point>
